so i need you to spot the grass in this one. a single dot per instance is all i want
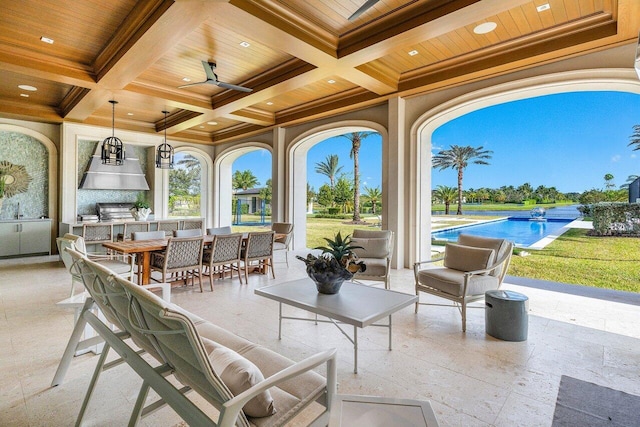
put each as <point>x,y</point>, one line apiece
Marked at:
<point>574,257</point>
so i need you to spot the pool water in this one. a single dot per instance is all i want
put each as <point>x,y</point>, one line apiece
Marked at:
<point>521,231</point>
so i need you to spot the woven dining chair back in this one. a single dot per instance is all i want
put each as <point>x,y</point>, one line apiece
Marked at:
<point>224,256</point>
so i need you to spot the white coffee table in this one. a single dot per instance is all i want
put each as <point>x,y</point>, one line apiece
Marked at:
<point>373,411</point>
<point>355,304</point>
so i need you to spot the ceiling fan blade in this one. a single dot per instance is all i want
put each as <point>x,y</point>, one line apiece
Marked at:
<point>234,87</point>
<point>194,84</point>
<point>362,9</point>
<point>208,69</point>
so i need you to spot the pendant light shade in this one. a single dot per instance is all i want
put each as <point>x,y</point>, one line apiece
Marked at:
<point>112,147</point>
<point>164,153</point>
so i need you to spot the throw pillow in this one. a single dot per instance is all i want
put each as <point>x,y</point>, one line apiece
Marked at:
<point>239,374</point>
<point>467,258</point>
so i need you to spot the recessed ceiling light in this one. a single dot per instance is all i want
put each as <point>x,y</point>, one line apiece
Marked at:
<point>543,7</point>
<point>28,87</point>
<point>201,127</point>
<point>245,44</point>
<point>331,81</point>
<point>46,40</point>
<point>212,123</point>
<point>413,52</point>
<point>269,103</point>
<point>186,79</point>
<point>26,95</point>
<point>485,27</point>
<point>129,114</point>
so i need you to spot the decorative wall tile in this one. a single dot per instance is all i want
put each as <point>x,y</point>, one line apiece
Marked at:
<point>27,151</point>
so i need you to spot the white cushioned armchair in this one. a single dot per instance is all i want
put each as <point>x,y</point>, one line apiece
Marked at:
<point>472,266</point>
<point>376,254</point>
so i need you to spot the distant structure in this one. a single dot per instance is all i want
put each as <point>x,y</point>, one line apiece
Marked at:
<point>538,214</point>
<point>634,191</point>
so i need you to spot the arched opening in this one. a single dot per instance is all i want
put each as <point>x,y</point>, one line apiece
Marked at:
<point>223,182</point>
<point>189,184</point>
<point>422,131</point>
<point>297,179</point>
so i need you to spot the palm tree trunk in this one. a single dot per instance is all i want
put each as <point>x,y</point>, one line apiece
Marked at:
<point>356,180</point>
<point>459,212</point>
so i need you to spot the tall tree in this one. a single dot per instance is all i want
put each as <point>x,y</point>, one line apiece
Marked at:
<point>356,140</point>
<point>265,193</point>
<point>244,180</point>
<point>343,192</point>
<point>374,195</point>
<point>458,158</point>
<point>635,138</point>
<point>446,194</point>
<point>188,161</point>
<point>608,182</point>
<point>329,168</point>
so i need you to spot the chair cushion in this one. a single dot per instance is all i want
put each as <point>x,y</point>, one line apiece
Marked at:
<point>375,267</point>
<point>451,281</point>
<point>118,267</point>
<point>498,245</point>
<point>277,246</point>
<point>372,247</point>
<point>239,374</point>
<point>467,258</point>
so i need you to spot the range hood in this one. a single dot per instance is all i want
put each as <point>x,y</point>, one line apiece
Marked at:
<point>128,176</point>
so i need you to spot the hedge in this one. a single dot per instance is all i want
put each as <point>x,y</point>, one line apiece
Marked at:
<point>615,219</point>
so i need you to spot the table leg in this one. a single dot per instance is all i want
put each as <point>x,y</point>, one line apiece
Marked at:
<point>146,267</point>
<point>389,332</point>
<point>280,321</point>
<point>355,349</point>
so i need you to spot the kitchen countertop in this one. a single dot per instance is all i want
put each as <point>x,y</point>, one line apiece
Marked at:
<point>25,220</point>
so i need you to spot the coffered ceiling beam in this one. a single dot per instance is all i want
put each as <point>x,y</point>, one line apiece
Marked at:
<point>254,116</point>
<point>142,44</point>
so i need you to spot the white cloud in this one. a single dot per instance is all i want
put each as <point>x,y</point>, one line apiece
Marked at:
<point>633,156</point>
<point>616,158</point>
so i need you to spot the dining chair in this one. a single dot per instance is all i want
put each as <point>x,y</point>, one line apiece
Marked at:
<point>219,230</point>
<point>189,224</point>
<point>97,233</point>
<point>259,248</point>
<point>223,256</point>
<point>131,227</point>
<point>145,235</point>
<point>191,232</point>
<point>183,255</point>
<point>168,226</point>
<point>283,243</point>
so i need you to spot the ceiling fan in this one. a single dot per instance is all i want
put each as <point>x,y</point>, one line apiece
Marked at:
<point>362,9</point>
<point>212,79</point>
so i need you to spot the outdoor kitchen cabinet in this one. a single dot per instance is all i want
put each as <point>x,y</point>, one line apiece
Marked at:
<point>25,237</point>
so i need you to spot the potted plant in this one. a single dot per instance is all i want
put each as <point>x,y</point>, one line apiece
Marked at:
<point>141,208</point>
<point>336,264</point>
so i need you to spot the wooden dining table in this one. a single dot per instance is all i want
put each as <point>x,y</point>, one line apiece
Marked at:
<point>144,248</point>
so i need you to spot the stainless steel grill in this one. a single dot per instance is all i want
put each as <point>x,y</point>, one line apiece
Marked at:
<point>114,212</point>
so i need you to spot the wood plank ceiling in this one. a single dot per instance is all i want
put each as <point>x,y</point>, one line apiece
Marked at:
<point>302,58</point>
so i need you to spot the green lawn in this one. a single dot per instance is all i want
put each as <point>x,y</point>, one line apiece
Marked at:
<point>496,207</point>
<point>574,257</point>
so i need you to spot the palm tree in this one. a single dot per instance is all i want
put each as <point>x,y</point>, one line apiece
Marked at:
<point>356,140</point>
<point>608,182</point>
<point>458,158</point>
<point>630,179</point>
<point>188,161</point>
<point>635,138</point>
<point>329,168</point>
<point>446,194</point>
<point>373,194</point>
<point>244,180</point>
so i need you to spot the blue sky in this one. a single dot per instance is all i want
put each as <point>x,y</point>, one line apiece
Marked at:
<point>569,141</point>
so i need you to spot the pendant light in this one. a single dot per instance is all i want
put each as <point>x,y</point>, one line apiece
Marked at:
<point>164,153</point>
<point>112,147</point>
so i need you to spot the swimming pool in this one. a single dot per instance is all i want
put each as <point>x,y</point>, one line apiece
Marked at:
<point>521,231</point>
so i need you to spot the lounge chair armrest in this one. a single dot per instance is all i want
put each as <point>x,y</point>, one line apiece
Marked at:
<point>417,265</point>
<point>102,256</point>
<point>231,408</point>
